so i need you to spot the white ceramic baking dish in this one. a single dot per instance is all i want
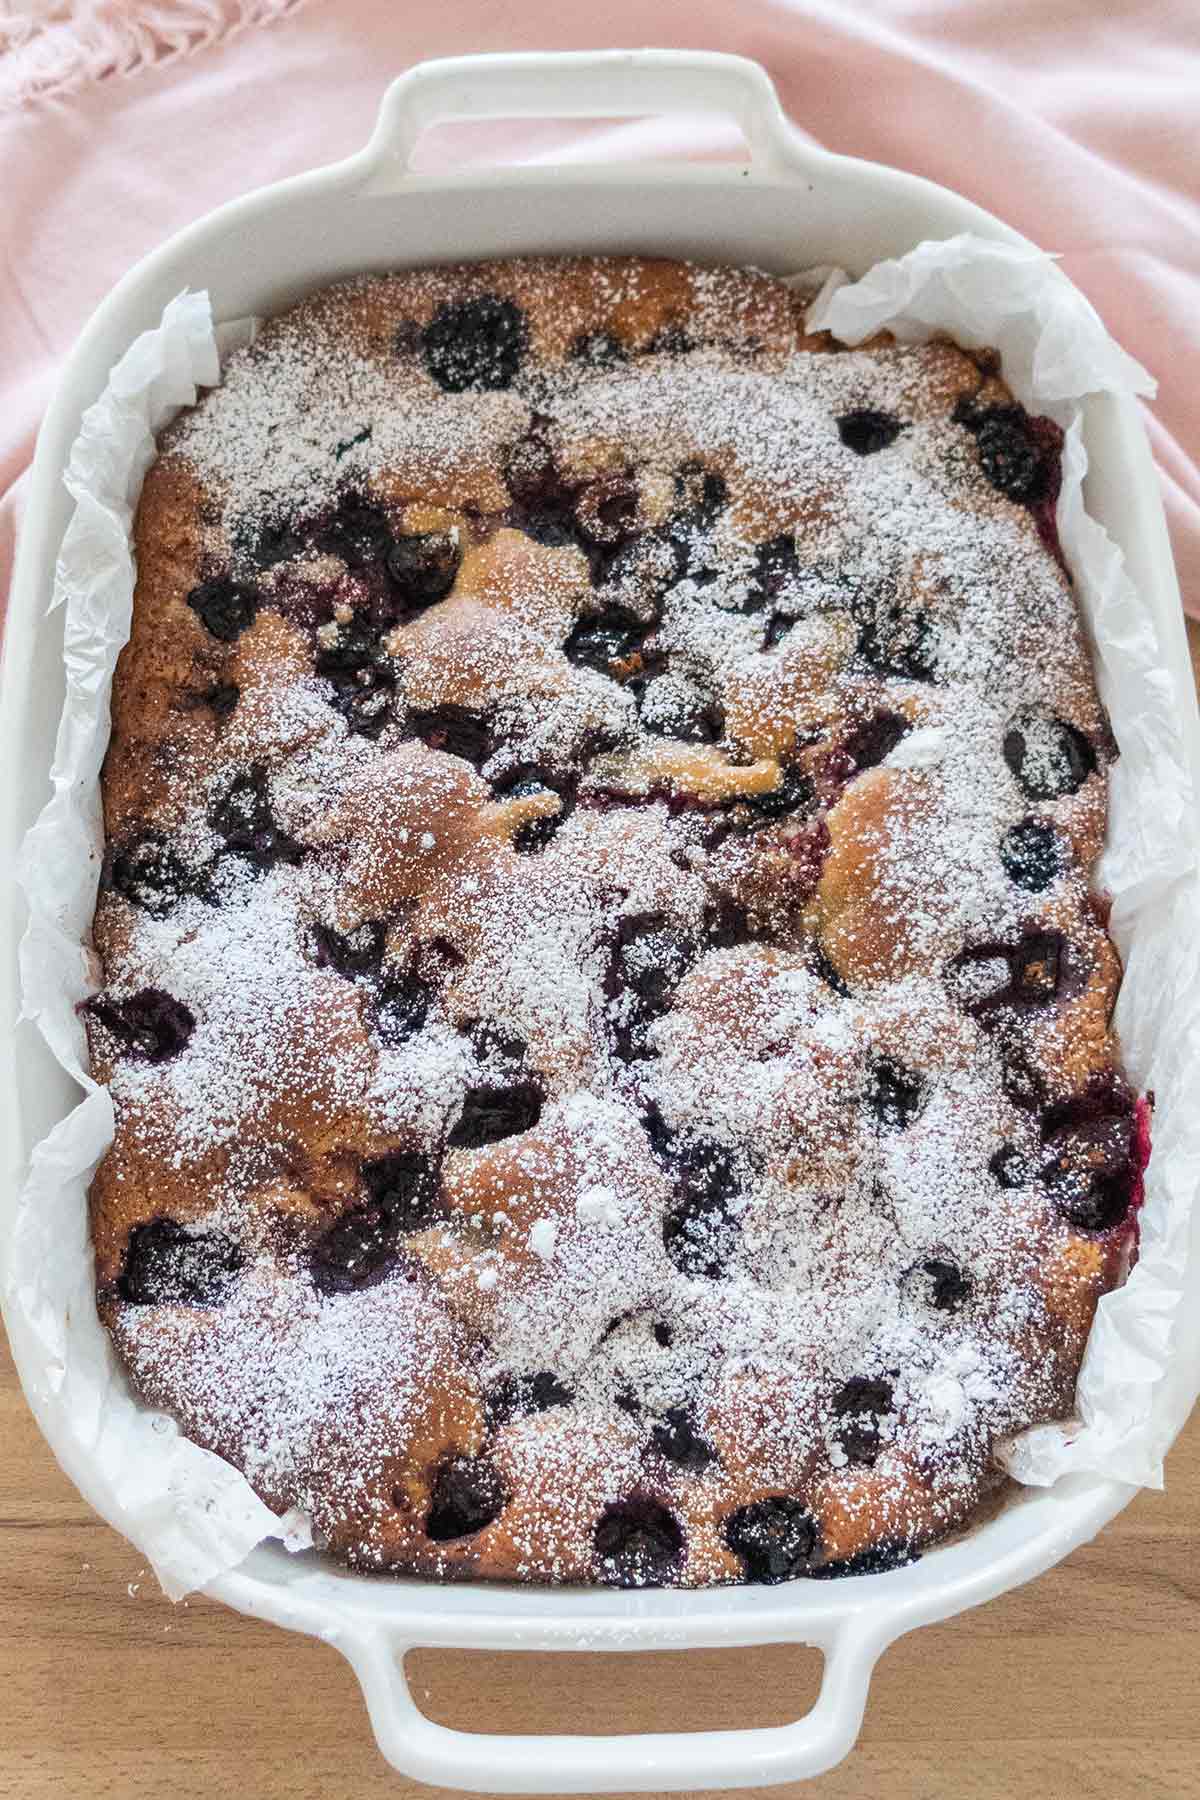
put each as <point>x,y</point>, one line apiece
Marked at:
<point>790,206</point>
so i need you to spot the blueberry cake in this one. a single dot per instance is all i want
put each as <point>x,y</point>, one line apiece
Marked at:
<point>605,1011</point>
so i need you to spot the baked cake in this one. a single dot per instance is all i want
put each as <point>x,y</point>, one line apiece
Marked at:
<point>606,1016</point>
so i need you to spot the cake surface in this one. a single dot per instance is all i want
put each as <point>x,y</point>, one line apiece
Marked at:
<point>606,1016</point>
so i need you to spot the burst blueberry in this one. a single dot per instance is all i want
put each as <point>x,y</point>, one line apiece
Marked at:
<point>475,343</point>
<point>151,1025</point>
<point>456,730</point>
<point>362,1246</point>
<point>677,1437</point>
<point>491,1113</point>
<point>896,1094</point>
<point>169,1264</point>
<point>224,607</point>
<point>638,1543</point>
<point>148,872</point>
<point>775,1539</point>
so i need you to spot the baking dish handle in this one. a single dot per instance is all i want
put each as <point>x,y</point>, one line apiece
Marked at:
<point>601,84</point>
<point>662,1762</point>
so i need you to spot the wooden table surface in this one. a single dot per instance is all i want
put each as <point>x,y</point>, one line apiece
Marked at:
<point>1084,1685</point>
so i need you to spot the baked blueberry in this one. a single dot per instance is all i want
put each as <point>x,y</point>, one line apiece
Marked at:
<point>638,1543</point>
<point>866,431</point>
<point>169,1264</point>
<point>728,924</point>
<point>358,1250</point>
<point>676,1437</point>
<point>1020,976</point>
<point>700,494</point>
<point>946,1287</point>
<point>689,529</point>
<point>494,1043</point>
<point>466,1495</point>
<point>150,1025</point>
<point>662,1137</point>
<point>867,743</point>
<point>273,543</point>
<point>358,532</point>
<point>224,607</point>
<point>889,1553</point>
<point>606,512</point>
<point>1008,455</point>
<point>1091,1173</point>
<point>543,499</point>
<point>518,1395</point>
<point>1032,855</point>
<point>1105,1095</point>
<point>1021,1082</point>
<point>222,697</point>
<point>148,873</point>
<point>475,343</point>
<point>603,639</point>
<point>896,1094</point>
<point>535,834</point>
<point>776,567</point>
<point>700,1230</point>
<point>793,793</point>
<point>242,815</point>
<point>398,1007</point>
<point>643,568</point>
<point>1049,757</point>
<point>491,1113</point>
<point>404,1184</point>
<point>863,1393</point>
<point>362,1246</point>
<point>900,641</point>
<point>674,709</point>
<point>671,340</point>
<point>775,1538</point>
<point>357,952</point>
<point>1087,1192</point>
<point>455,729</point>
<point>348,658</point>
<point>362,676</point>
<point>860,1402</point>
<point>648,960</point>
<point>1035,965</point>
<point>1010,1168</point>
<point>424,566</point>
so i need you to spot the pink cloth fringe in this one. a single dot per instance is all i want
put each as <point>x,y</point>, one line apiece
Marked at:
<point>53,48</point>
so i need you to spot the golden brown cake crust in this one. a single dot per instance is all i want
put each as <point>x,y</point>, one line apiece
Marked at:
<point>607,1022</point>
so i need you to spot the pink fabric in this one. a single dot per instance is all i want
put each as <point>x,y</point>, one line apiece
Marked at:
<point>1074,122</point>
